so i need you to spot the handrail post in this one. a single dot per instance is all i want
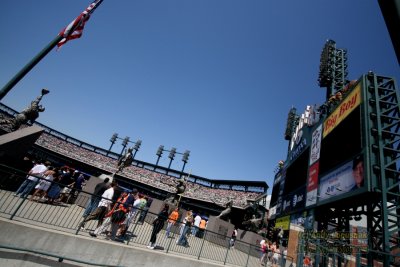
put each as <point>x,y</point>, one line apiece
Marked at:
<point>134,228</point>
<point>25,197</point>
<point>227,251</point>
<point>202,244</point>
<point>18,207</point>
<point>170,240</point>
<point>248,255</point>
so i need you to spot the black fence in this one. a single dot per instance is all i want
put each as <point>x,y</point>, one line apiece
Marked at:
<point>64,214</point>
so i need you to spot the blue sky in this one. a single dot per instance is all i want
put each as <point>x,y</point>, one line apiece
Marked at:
<point>214,77</point>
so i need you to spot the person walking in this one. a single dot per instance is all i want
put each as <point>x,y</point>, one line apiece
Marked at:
<point>79,183</point>
<point>275,256</point>
<point>132,203</point>
<point>145,210</point>
<point>142,208</point>
<point>307,261</point>
<point>102,208</point>
<point>182,241</point>
<point>233,237</point>
<point>66,183</point>
<point>116,215</point>
<point>196,225</point>
<point>172,219</point>
<point>264,247</point>
<point>202,227</point>
<point>96,197</point>
<point>158,224</point>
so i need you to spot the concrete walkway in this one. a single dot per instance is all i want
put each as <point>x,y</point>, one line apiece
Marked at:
<point>52,228</point>
<point>96,251</point>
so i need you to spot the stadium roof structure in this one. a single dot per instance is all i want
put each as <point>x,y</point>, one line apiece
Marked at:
<point>254,186</point>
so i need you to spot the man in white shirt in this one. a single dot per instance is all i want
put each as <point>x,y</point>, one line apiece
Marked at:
<point>103,207</point>
<point>31,181</point>
<point>196,224</point>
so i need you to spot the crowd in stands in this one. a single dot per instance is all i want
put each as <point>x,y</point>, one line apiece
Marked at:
<point>161,181</point>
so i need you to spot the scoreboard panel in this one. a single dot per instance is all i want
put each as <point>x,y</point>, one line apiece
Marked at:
<point>325,161</point>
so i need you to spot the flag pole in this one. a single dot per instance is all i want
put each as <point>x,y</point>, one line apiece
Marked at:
<point>7,88</point>
<point>68,33</point>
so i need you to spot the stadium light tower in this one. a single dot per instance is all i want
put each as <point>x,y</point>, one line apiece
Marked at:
<point>292,121</point>
<point>333,68</point>
<point>112,140</point>
<point>171,155</point>
<point>185,159</point>
<point>136,147</point>
<point>159,154</point>
<point>125,142</point>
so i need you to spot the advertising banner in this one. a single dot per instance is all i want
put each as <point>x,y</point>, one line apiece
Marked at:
<point>312,197</point>
<point>298,199</point>
<point>294,201</point>
<point>283,223</point>
<point>298,219</point>
<point>313,177</point>
<point>309,221</point>
<point>312,184</point>
<point>346,178</point>
<point>286,204</point>
<point>352,101</point>
<point>279,203</point>
<point>316,145</point>
<point>300,143</point>
<point>313,171</point>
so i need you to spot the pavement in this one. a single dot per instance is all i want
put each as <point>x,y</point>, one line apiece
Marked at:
<point>52,228</point>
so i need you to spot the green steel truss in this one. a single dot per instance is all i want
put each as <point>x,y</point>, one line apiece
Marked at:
<point>383,122</point>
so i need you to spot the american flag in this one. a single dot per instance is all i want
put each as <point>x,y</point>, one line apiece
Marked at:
<point>74,30</point>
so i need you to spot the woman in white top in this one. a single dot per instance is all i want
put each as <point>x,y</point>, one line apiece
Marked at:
<point>44,184</point>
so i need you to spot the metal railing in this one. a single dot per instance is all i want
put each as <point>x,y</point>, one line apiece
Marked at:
<point>65,215</point>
